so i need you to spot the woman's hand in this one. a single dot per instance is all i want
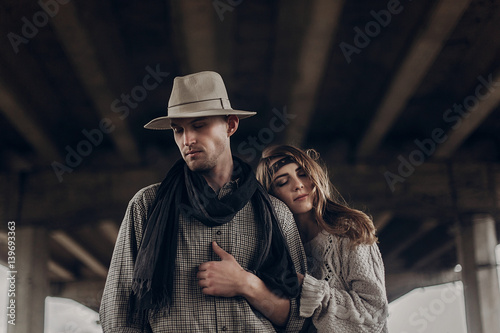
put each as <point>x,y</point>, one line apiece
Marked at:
<point>222,278</point>
<point>301,278</point>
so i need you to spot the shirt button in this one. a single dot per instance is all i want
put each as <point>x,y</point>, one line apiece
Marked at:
<point>224,328</point>
<point>218,233</point>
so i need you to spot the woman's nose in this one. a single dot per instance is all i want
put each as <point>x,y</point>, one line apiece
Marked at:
<point>298,185</point>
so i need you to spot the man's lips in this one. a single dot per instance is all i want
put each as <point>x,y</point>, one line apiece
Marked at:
<point>300,197</point>
<point>192,152</point>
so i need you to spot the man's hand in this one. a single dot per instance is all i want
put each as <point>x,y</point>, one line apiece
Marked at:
<point>223,278</point>
<point>226,278</point>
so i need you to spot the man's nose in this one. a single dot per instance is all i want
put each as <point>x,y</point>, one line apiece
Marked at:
<point>189,138</point>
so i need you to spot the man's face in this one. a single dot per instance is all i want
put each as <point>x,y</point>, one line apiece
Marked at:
<point>201,141</point>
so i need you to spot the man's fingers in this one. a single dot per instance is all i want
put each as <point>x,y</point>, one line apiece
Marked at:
<point>203,267</point>
<point>207,291</point>
<point>201,275</point>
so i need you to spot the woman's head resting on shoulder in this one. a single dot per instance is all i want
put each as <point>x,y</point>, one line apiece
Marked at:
<point>290,174</point>
<point>299,179</point>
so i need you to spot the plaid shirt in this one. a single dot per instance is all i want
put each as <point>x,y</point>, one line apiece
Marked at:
<point>191,310</point>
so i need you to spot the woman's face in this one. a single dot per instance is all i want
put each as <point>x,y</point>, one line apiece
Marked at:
<point>294,187</point>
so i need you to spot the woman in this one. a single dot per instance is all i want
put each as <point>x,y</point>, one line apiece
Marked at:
<point>344,289</point>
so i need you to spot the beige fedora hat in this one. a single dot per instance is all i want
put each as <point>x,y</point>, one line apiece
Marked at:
<point>200,94</point>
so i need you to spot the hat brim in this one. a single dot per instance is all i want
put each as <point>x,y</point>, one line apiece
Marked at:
<point>163,123</point>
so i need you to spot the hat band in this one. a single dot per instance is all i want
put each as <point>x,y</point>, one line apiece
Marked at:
<point>210,104</point>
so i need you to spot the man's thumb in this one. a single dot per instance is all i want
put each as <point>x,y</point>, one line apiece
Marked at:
<point>219,251</point>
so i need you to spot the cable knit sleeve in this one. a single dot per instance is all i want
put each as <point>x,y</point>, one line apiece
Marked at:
<point>354,297</point>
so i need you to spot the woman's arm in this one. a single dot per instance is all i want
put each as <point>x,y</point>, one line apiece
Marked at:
<point>227,278</point>
<point>360,305</point>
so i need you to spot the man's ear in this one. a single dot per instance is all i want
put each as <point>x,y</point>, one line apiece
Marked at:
<point>232,124</point>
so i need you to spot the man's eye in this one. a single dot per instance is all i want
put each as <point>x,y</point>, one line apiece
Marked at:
<point>177,130</point>
<point>198,126</point>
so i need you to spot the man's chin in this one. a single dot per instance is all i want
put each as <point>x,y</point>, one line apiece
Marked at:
<point>196,166</point>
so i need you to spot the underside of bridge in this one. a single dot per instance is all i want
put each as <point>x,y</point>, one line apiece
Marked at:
<point>400,98</point>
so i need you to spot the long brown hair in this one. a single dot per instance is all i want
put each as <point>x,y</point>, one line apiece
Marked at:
<point>331,211</point>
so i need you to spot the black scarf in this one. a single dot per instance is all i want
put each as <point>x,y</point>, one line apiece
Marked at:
<point>187,192</point>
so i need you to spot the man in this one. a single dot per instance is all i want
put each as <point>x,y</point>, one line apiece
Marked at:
<point>208,214</point>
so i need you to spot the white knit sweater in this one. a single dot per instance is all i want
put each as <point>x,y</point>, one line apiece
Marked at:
<point>344,290</point>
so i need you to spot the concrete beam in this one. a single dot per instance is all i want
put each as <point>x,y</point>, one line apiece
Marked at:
<point>313,58</point>
<point>14,110</point>
<point>60,271</point>
<point>195,20</point>
<point>382,219</point>
<point>401,283</point>
<point>109,229</point>
<point>80,252</point>
<point>290,27</point>
<point>15,161</point>
<point>421,55</point>
<point>485,105</point>
<point>53,266</point>
<point>426,193</point>
<point>423,262</point>
<point>424,227</point>
<point>82,54</point>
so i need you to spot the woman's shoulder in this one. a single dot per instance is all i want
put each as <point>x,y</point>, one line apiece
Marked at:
<point>364,256</point>
<point>345,247</point>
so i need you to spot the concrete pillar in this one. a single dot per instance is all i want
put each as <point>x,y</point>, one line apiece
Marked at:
<point>476,248</point>
<point>32,283</point>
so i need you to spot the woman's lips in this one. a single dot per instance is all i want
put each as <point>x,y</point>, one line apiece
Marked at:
<point>301,197</point>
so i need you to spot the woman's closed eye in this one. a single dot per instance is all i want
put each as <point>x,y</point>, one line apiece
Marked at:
<point>281,183</point>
